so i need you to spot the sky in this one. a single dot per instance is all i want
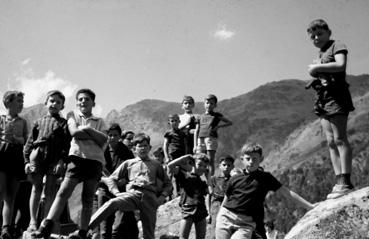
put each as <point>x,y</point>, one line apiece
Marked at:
<point>127,51</point>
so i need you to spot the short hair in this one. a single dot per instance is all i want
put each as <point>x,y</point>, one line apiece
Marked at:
<point>127,132</point>
<point>173,116</point>
<point>317,24</point>
<point>158,151</point>
<point>252,148</point>
<point>9,96</point>
<point>57,93</point>
<point>140,138</point>
<point>88,92</point>
<point>115,126</point>
<point>189,99</point>
<point>212,97</point>
<point>202,157</point>
<point>226,158</point>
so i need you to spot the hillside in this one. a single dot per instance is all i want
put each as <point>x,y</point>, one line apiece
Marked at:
<point>268,114</point>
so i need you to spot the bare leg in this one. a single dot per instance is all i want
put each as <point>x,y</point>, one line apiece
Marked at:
<point>50,192</point>
<point>89,189</point>
<point>185,228</point>
<point>9,198</point>
<point>211,155</point>
<point>34,200</point>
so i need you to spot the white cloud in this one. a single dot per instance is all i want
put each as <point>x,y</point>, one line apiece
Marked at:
<point>223,34</point>
<point>35,88</point>
<point>26,61</point>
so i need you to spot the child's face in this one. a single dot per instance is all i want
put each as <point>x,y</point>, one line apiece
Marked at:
<point>85,103</point>
<point>174,123</point>
<point>210,105</point>
<point>113,137</point>
<point>320,37</point>
<point>142,149</point>
<point>159,157</point>
<point>54,104</point>
<point>251,161</point>
<point>128,140</point>
<point>200,167</point>
<point>187,106</point>
<point>16,105</point>
<point>226,167</point>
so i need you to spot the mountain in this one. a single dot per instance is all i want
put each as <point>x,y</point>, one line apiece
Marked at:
<point>267,115</point>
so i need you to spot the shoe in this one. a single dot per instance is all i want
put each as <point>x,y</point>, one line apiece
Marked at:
<point>339,191</point>
<point>5,232</point>
<point>45,229</point>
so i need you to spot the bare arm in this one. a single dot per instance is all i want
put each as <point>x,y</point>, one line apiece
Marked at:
<point>288,194</point>
<point>181,161</point>
<point>99,137</point>
<point>338,66</point>
<point>195,135</point>
<point>226,122</point>
<point>73,128</point>
<point>165,149</point>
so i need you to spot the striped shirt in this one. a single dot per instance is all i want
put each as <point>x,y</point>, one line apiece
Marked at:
<point>13,130</point>
<point>51,135</point>
<point>86,148</point>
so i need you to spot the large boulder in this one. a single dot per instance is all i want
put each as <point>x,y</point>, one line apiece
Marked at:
<point>344,217</point>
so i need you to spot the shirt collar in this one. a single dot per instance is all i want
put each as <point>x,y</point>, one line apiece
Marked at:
<point>92,117</point>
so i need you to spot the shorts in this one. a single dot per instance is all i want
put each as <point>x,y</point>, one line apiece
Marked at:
<point>39,165</point>
<point>11,160</point>
<point>194,212</point>
<point>231,223</point>
<point>83,169</point>
<point>207,144</point>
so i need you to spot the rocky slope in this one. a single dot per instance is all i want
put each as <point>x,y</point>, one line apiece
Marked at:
<point>345,217</point>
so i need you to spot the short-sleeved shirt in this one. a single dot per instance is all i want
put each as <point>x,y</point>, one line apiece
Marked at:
<point>10,129</point>
<point>86,148</point>
<point>219,184</point>
<point>194,189</point>
<point>208,122</point>
<point>246,192</point>
<point>336,97</point>
<point>51,134</point>
<point>176,143</point>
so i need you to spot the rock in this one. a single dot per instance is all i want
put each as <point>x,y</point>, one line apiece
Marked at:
<point>344,217</point>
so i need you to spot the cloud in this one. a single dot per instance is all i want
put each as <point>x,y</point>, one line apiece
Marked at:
<point>35,88</point>
<point>223,34</point>
<point>26,61</point>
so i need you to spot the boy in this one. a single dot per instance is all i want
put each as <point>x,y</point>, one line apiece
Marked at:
<point>13,134</point>
<point>142,175</point>
<point>334,102</point>
<point>206,134</point>
<point>46,148</point>
<point>192,202</point>
<point>245,196</point>
<point>188,122</point>
<point>174,140</point>
<point>218,184</point>
<point>86,156</point>
<point>174,146</point>
<point>115,154</point>
<point>127,137</point>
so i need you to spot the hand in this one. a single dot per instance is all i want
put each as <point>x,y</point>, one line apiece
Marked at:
<point>59,168</point>
<point>28,169</point>
<point>209,219</point>
<point>312,69</point>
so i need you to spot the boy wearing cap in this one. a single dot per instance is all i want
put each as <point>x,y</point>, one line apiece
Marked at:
<point>46,147</point>
<point>207,125</point>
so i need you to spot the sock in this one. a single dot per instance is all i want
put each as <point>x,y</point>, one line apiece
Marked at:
<point>339,179</point>
<point>346,179</point>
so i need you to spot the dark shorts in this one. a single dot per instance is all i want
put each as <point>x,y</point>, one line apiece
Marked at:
<point>83,169</point>
<point>11,160</point>
<point>39,165</point>
<point>194,212</point>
